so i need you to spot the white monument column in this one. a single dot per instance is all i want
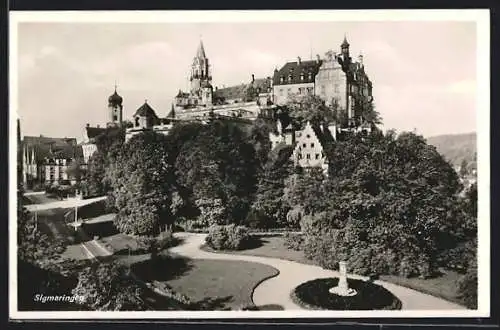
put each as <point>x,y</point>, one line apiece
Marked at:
<point>342,289</point>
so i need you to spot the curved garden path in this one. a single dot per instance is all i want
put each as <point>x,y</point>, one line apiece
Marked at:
<point>276,290</point>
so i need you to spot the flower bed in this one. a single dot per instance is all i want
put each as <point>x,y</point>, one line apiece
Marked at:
<point>315,295</point>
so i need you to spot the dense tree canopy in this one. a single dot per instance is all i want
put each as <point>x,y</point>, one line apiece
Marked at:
<point>269,208</point>
<point>141,177</point>
<point>219,163</point>
<point>386,196</point>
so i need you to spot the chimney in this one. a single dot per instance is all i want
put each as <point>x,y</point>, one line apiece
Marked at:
<point>317,58</point>
<point>298,60</point>
<point>253,78</point>
<point>88,125</point>
<point>360,58</point>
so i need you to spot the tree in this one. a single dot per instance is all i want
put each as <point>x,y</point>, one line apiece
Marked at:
<point>109,287</point>
<point>269,208</point>
<point>95,182</point>
<point>463,168</point>
<point>219,163</point>
<point>141,178</point>
<point>389,198</point>
<point>75,170</point>
<point>307,191</point>
<point>311,108</point>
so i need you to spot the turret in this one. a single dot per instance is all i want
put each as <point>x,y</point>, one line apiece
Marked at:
<point>115,109</point>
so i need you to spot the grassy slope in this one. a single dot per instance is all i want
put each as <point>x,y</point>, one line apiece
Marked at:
<point>455,147</point>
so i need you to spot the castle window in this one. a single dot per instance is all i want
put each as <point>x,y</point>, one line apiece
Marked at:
<point>312,145</point>
<point>317,156</point>
<point>304,145</point>
<point>308,156</point>
<point>308,136</point>
<point>115,118</point>
<point>281,91</point>
<point>289,91</point>
<point>136,121</point>
<point>300,156</point>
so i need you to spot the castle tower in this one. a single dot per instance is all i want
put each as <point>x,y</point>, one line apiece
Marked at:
<point>344,48</point>
<point>115,109</point>
<point>200,70</point>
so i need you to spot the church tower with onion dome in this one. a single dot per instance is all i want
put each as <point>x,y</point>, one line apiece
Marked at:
<point>115,110</point>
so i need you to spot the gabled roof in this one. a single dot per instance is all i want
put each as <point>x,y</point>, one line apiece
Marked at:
<point>239,92</point>
<point>46,147</point>
<point>299,72</point>
<point>231,93</point>
<point>146,111</point>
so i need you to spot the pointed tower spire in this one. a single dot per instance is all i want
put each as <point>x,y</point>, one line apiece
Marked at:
<point>345,43</point>
<point>201,50</point>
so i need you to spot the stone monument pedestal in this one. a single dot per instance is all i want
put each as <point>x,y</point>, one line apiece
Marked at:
<point>342,289</point>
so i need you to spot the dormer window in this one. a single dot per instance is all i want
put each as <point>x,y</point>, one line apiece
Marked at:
<point>301,77</point>
<point>290,78</point>
<point>136,121</point>
<point>310,76</point>
<point>282,79</point>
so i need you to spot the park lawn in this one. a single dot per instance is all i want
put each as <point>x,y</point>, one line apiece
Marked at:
<point>444,286</point>
<point>209,284</point>
<point>220,283</point>
<point>268,246</point>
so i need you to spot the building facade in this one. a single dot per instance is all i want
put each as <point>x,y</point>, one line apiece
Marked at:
<point>45,160</point>
<point>337,79</point>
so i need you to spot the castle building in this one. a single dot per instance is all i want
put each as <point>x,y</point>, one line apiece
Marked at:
<point>145,119</point>
<point>242,101</point>
<point>45,160</point>
<point>336,79</point>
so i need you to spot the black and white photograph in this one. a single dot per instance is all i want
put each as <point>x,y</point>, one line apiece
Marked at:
<point>246,164</point>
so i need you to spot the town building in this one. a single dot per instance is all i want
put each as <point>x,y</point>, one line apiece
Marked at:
<point>45,160</point>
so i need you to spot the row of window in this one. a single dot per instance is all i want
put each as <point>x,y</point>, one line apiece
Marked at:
<point>302,91</point>
<point>308,156</point>
<point>302,77</point>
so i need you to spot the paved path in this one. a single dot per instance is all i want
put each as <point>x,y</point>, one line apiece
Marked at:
<point>67,203</point>
<point>277,290</point>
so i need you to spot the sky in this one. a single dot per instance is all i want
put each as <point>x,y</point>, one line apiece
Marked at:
<point>423,72</point>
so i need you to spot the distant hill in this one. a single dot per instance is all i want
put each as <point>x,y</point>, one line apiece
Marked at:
<point>456,147</point>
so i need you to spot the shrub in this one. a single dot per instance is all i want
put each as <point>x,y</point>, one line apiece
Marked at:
<point>230,237</point>
<point>467,287</point>
<point>293,241</point>
<point>166,240</point>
